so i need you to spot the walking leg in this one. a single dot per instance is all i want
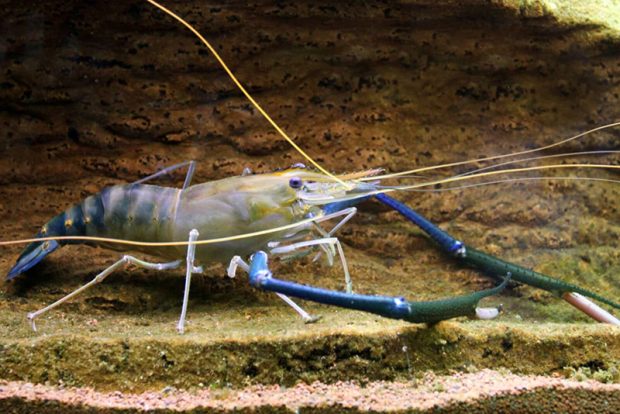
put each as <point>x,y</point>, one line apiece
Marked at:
<point>237,261</point>
<point>190,268</point>
<point>99,278</point>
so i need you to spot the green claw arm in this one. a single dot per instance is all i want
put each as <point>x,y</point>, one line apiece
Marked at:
<point>496,267</point>
<point>485,262</point>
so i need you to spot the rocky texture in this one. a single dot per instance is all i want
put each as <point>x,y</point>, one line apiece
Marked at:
<point>98,93</point>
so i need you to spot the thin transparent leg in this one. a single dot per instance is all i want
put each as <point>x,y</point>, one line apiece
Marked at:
<point>99,278</point>
<point>237,261</point>
<point>328,241</point>
<point>307,318</point>
<point>347,212</point>
<point>190,268</point>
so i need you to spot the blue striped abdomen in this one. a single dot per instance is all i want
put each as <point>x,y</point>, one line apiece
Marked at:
<point>130,212</point>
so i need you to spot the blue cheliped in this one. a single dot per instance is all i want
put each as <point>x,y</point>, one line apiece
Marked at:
<point>341,205</point>
<point>445,241</point>
<point>387,306</point>
<point>417,312</point>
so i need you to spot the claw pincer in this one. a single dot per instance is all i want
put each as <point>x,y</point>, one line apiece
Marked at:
<point>438,310</point>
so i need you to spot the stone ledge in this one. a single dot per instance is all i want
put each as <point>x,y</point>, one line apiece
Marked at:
<point>370,350</point>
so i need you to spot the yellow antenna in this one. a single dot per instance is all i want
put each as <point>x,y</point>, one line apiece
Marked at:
<point>516,181</point>
<point>245,92</point>
<point>492,166</point>
<point>159,244</point>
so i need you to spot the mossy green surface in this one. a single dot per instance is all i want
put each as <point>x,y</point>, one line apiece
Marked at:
<point>267,345</point>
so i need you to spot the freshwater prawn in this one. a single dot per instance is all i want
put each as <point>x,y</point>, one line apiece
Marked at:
<point>280,212</point>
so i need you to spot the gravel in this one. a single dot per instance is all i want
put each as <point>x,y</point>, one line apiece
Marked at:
<point>421,394</point>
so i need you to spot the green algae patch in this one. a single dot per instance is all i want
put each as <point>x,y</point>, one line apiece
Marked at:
<point>611,374</point>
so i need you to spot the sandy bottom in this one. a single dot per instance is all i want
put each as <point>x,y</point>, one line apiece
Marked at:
<point>485,390</point>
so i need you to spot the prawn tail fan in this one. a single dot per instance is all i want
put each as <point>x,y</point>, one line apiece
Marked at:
<point>67,223</point>
<point>33,254</point>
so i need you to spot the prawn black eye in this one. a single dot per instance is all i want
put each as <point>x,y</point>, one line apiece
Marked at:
<point>295,182</point>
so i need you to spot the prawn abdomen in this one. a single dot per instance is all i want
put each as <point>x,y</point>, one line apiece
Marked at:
<point>131,212</point>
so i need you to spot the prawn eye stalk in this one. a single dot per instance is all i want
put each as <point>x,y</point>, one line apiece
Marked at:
<point>295,182</point>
